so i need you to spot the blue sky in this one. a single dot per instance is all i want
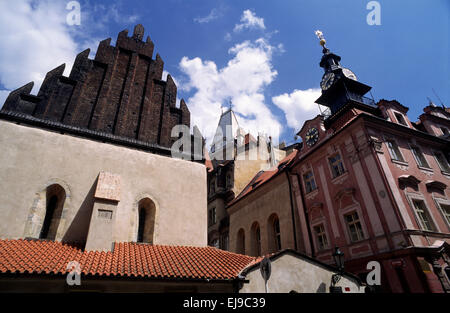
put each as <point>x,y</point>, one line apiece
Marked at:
<point>261,55</point>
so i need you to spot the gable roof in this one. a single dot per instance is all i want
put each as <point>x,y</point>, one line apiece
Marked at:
<point>23,256</point>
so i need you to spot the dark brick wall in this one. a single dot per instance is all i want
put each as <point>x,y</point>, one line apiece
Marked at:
<point>120,92</point>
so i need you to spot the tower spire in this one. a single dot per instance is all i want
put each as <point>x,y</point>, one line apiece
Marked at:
<point>322,41</point>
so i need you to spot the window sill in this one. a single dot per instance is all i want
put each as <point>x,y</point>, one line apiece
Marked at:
<point>399,162</point>
<point>425,168</point>
<point>314,191</point>
<point>339,178</point>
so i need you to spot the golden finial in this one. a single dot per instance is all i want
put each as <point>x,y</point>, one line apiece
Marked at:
<point>319,35</point>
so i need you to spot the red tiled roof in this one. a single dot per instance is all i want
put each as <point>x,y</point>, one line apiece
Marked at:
<point>264,176</point>
<point>127,260</point>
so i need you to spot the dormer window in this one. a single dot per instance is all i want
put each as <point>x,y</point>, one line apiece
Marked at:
<point>444,131</point>
<point>400,119</point>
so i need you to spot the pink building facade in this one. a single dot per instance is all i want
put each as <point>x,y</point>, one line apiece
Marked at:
<point>375,184</point>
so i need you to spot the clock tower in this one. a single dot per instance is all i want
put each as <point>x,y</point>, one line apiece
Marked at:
<point>341,91</point>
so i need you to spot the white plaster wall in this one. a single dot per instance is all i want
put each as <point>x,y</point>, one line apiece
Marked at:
<point>293,273</point>
<point>31,159</point>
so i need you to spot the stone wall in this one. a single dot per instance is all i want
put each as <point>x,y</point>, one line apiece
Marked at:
<point>33,159</point>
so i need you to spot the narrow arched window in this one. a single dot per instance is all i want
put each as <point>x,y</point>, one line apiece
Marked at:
<point>240,245</point>
<point>49,212</point>
<point>274,234</point>
<point>276,231</point>
<point>256,239</point>
<point>55,197</point>
<point>141,226</point>
<point>146,220</point>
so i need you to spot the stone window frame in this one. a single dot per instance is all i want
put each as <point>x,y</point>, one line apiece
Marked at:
<point>355,223</point>
<point>321,222</point>
<point>135,217</point>
<point>36,213</point>
<point>309,169</point>
<point>348,210</point>
<point>405,118</point>
<point>255,245</point>
<point>418,196</point>
<point>344,168</point>
<point>442,201</point>
<point>444,171</point>
<point>395,142</point>
<point>418,162</point>
<point>149,220</point>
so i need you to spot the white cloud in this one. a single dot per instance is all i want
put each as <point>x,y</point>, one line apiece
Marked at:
<point>241,81</point>
<point>250,20</point>
<point>36,37</point>
<point>35,40</point>
<point>214,14</point>
<point>298,106</point>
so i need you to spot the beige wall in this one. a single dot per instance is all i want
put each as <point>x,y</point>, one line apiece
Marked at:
<point>250,162</point>
<point>31,159</point>
<point>293,273</point>
<point>258,206</point>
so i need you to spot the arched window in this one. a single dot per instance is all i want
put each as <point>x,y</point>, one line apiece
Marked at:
<point>146,220</point>
<point>240,247</point>
<point>256,239</point>
<point>273,226</point>
<point>55,197</point>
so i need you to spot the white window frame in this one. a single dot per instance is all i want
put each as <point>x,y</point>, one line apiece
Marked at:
<point>364,235</point>
<point>346,211</point>
<point>392,140</point>
<point>316,237</point>
<point>439,202</point>
<point>394,112</point>
<point>417,196</point>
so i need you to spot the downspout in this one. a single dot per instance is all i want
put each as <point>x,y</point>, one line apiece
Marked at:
<point>302,196</point>
<point>292,208</point>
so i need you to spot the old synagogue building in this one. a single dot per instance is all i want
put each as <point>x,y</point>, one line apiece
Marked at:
<point>89,184</point>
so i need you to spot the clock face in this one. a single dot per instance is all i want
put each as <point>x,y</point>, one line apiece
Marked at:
<point>327,80</point>
<point>312,135</point>
<point>349,74</point>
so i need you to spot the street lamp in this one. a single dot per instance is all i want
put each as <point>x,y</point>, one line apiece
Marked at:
<point>338,257</point>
